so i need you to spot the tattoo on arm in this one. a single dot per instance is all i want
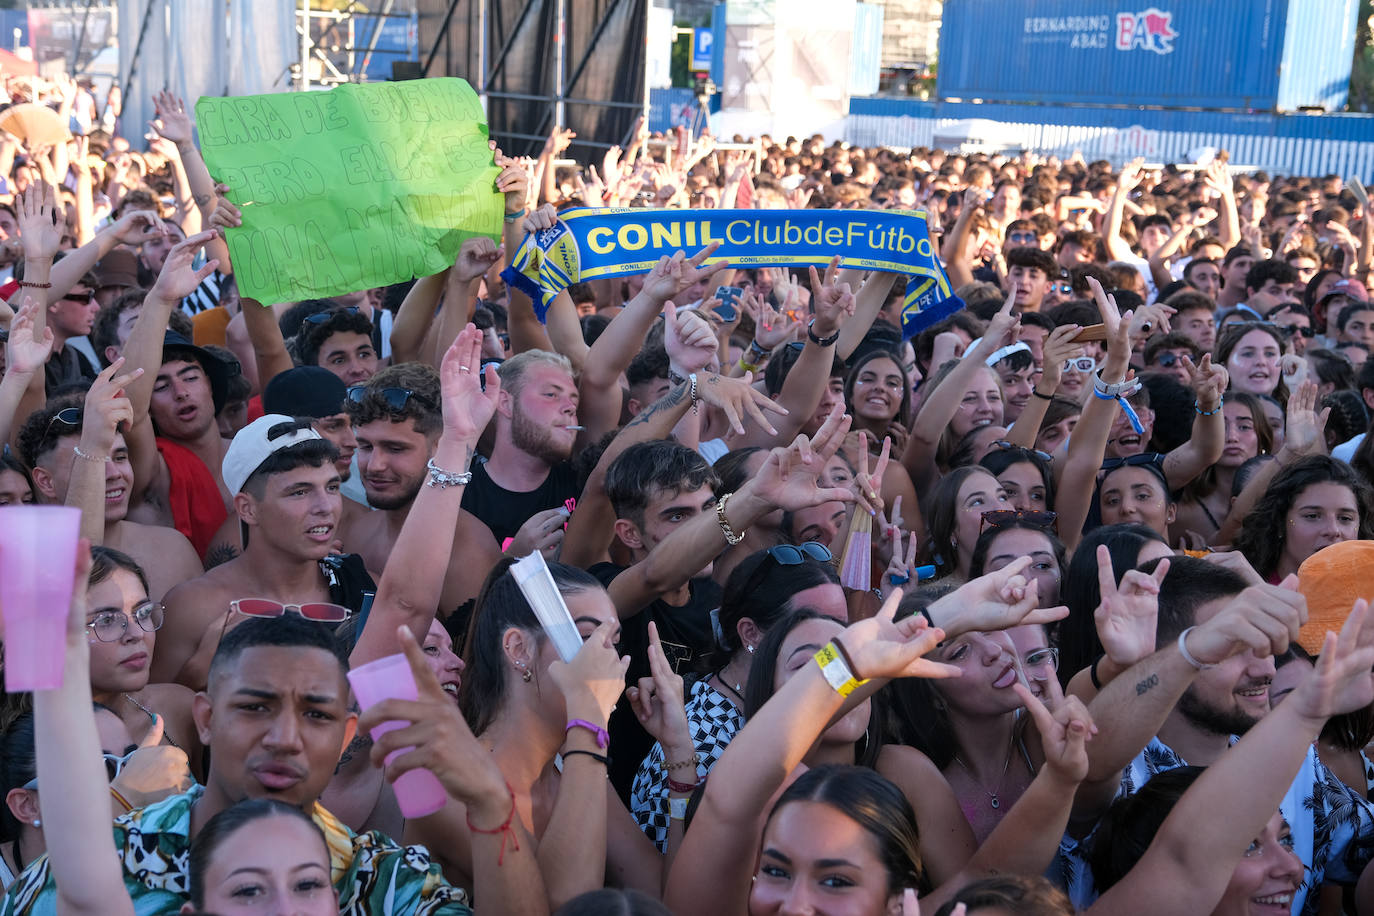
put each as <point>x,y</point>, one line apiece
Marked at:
<point>203,200</point>
<point>1148,684</point>
<point>219,554</point>
<point>667,402</point>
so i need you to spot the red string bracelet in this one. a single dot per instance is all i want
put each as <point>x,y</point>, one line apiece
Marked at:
<point>504,828</point>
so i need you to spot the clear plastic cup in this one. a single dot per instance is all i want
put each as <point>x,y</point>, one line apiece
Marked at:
<point>418,792</point>
<point>37,565</point>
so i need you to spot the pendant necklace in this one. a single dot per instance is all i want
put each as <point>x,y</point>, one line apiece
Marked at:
<point>993,800</point>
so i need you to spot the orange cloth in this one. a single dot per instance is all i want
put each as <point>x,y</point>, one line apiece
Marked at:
<point>1332,580</point>
<point>197,508</point>
<point>210,327</point>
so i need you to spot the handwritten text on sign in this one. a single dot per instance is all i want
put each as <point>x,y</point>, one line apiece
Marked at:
<point>357,187</point>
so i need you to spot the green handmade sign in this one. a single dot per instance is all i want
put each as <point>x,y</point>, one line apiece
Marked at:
<point>353,188</point>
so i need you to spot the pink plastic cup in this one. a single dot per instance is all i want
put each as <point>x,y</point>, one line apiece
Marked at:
<point>418,792</point>
<point>37,565</point>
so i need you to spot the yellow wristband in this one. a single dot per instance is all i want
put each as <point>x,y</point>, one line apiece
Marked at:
<point>837,673</point>
<point>747,367</point>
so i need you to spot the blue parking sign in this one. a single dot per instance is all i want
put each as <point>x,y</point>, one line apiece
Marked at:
<point>702,42</point>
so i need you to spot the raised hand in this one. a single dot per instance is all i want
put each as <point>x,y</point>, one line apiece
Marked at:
<point>25,353</point>
<point>1000,600</point>
<point>1304,427</point>
<point>559,140</point>
<point>438,740</point>
<point>737,397</point>
<point>154,770</point>
<point>787,479</point>
<point>106,408</point>
<point>1132,174</point>
<point>1152,319</point>
<point>38,232</point>
<point>593,681</point>
<point>1263,618</point>
<point>513,181</point>
<point>881,646</point>
<point>902,566</point>
<point>1341,681</point>
<point>137,226</point>
<point>226,214</point>
<point>475,257</point>
<point>541,219</point>
<point>672,275</point>
<point>179,278</point>
<point>1064,733</point>
<point>772,328</point>
<point>871,485</point>
<point>658,705</point>
<point>467,404</point>
<point>1128,612</point>
<point>833,303</point>
<point>1060,347</point>
<point>542,531</point>
<point>172,122</point>
<point>689,340</point>
<point>610,166</point>
<point>1209,381</point>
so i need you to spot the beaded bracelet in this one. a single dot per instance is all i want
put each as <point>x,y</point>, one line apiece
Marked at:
<point>1209,413</point>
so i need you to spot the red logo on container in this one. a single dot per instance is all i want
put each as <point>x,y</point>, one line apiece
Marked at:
<point>1152,30</point>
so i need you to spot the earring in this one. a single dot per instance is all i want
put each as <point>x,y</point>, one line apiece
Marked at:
<point>37,822</point>
<point>525,674</point>
<point>750,648</point>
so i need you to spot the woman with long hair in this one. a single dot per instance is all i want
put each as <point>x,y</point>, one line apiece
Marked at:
<point>954,518</point>
<point>842,836</point>
<point>1311,504</point>
<point>1204,502</point>
<point>860,738</point>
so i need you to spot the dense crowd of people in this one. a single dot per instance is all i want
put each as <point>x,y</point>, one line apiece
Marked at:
<point>1057,606</point>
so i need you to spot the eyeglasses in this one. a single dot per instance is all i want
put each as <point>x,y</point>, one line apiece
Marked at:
<point>1134,461</point>
<point>1042,660</point>
<point>322,317</point>
<point>1001,518</point>
<point>83,298</point>
<point>67,416</point>
<point>1083,364</point>
<point>110,626</point>
<point>1004,445</point>
<point>395,398</point>
<point>319,611</point>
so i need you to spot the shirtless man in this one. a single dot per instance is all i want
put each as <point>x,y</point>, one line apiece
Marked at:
<point>397,421</point>
<point>286,497</point>
<point>80,458</point>
<point>174,442</point>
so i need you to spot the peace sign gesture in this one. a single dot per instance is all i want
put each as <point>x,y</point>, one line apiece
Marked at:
<point>107,406</point>
<point>1064,733</point>
<point>871,485</point>
<point>1127,614</point>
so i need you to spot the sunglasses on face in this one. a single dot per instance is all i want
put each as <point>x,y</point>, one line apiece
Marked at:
<point>82,298</point>
<point>110,626</point>
<point>1083,364</point>
<point>1001,518</point>
<point>1290,330</point>
<point>322,317</point>
<point>1022,238</point>
<point>1168,360</point>
<point>395,398</point>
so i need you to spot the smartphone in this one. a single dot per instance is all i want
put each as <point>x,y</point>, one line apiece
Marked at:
<point>1091,332</point>
<point>729,297</point>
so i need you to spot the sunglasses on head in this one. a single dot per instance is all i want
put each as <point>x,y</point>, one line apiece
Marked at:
<point>322,317</point>
<point>788,555</point>
<point>114,765</point>
<point>1004,445</point>
<point>395,398</point>
<point>319,611</point>
<point>1134,461</point>
<point>1001,518</point>
<point>67,416</point>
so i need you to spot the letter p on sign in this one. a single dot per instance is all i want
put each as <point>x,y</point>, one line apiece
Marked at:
<point>703,40</point>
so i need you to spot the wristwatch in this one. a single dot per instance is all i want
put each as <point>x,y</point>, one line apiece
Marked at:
<point>821,341</point>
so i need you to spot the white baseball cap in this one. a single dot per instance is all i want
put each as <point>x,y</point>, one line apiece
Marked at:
<point>253,445</point>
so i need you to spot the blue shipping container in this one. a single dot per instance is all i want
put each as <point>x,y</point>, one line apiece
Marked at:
<point>1244,55</point>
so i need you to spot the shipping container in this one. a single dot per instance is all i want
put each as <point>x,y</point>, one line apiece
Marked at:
<point>1234,55</point>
